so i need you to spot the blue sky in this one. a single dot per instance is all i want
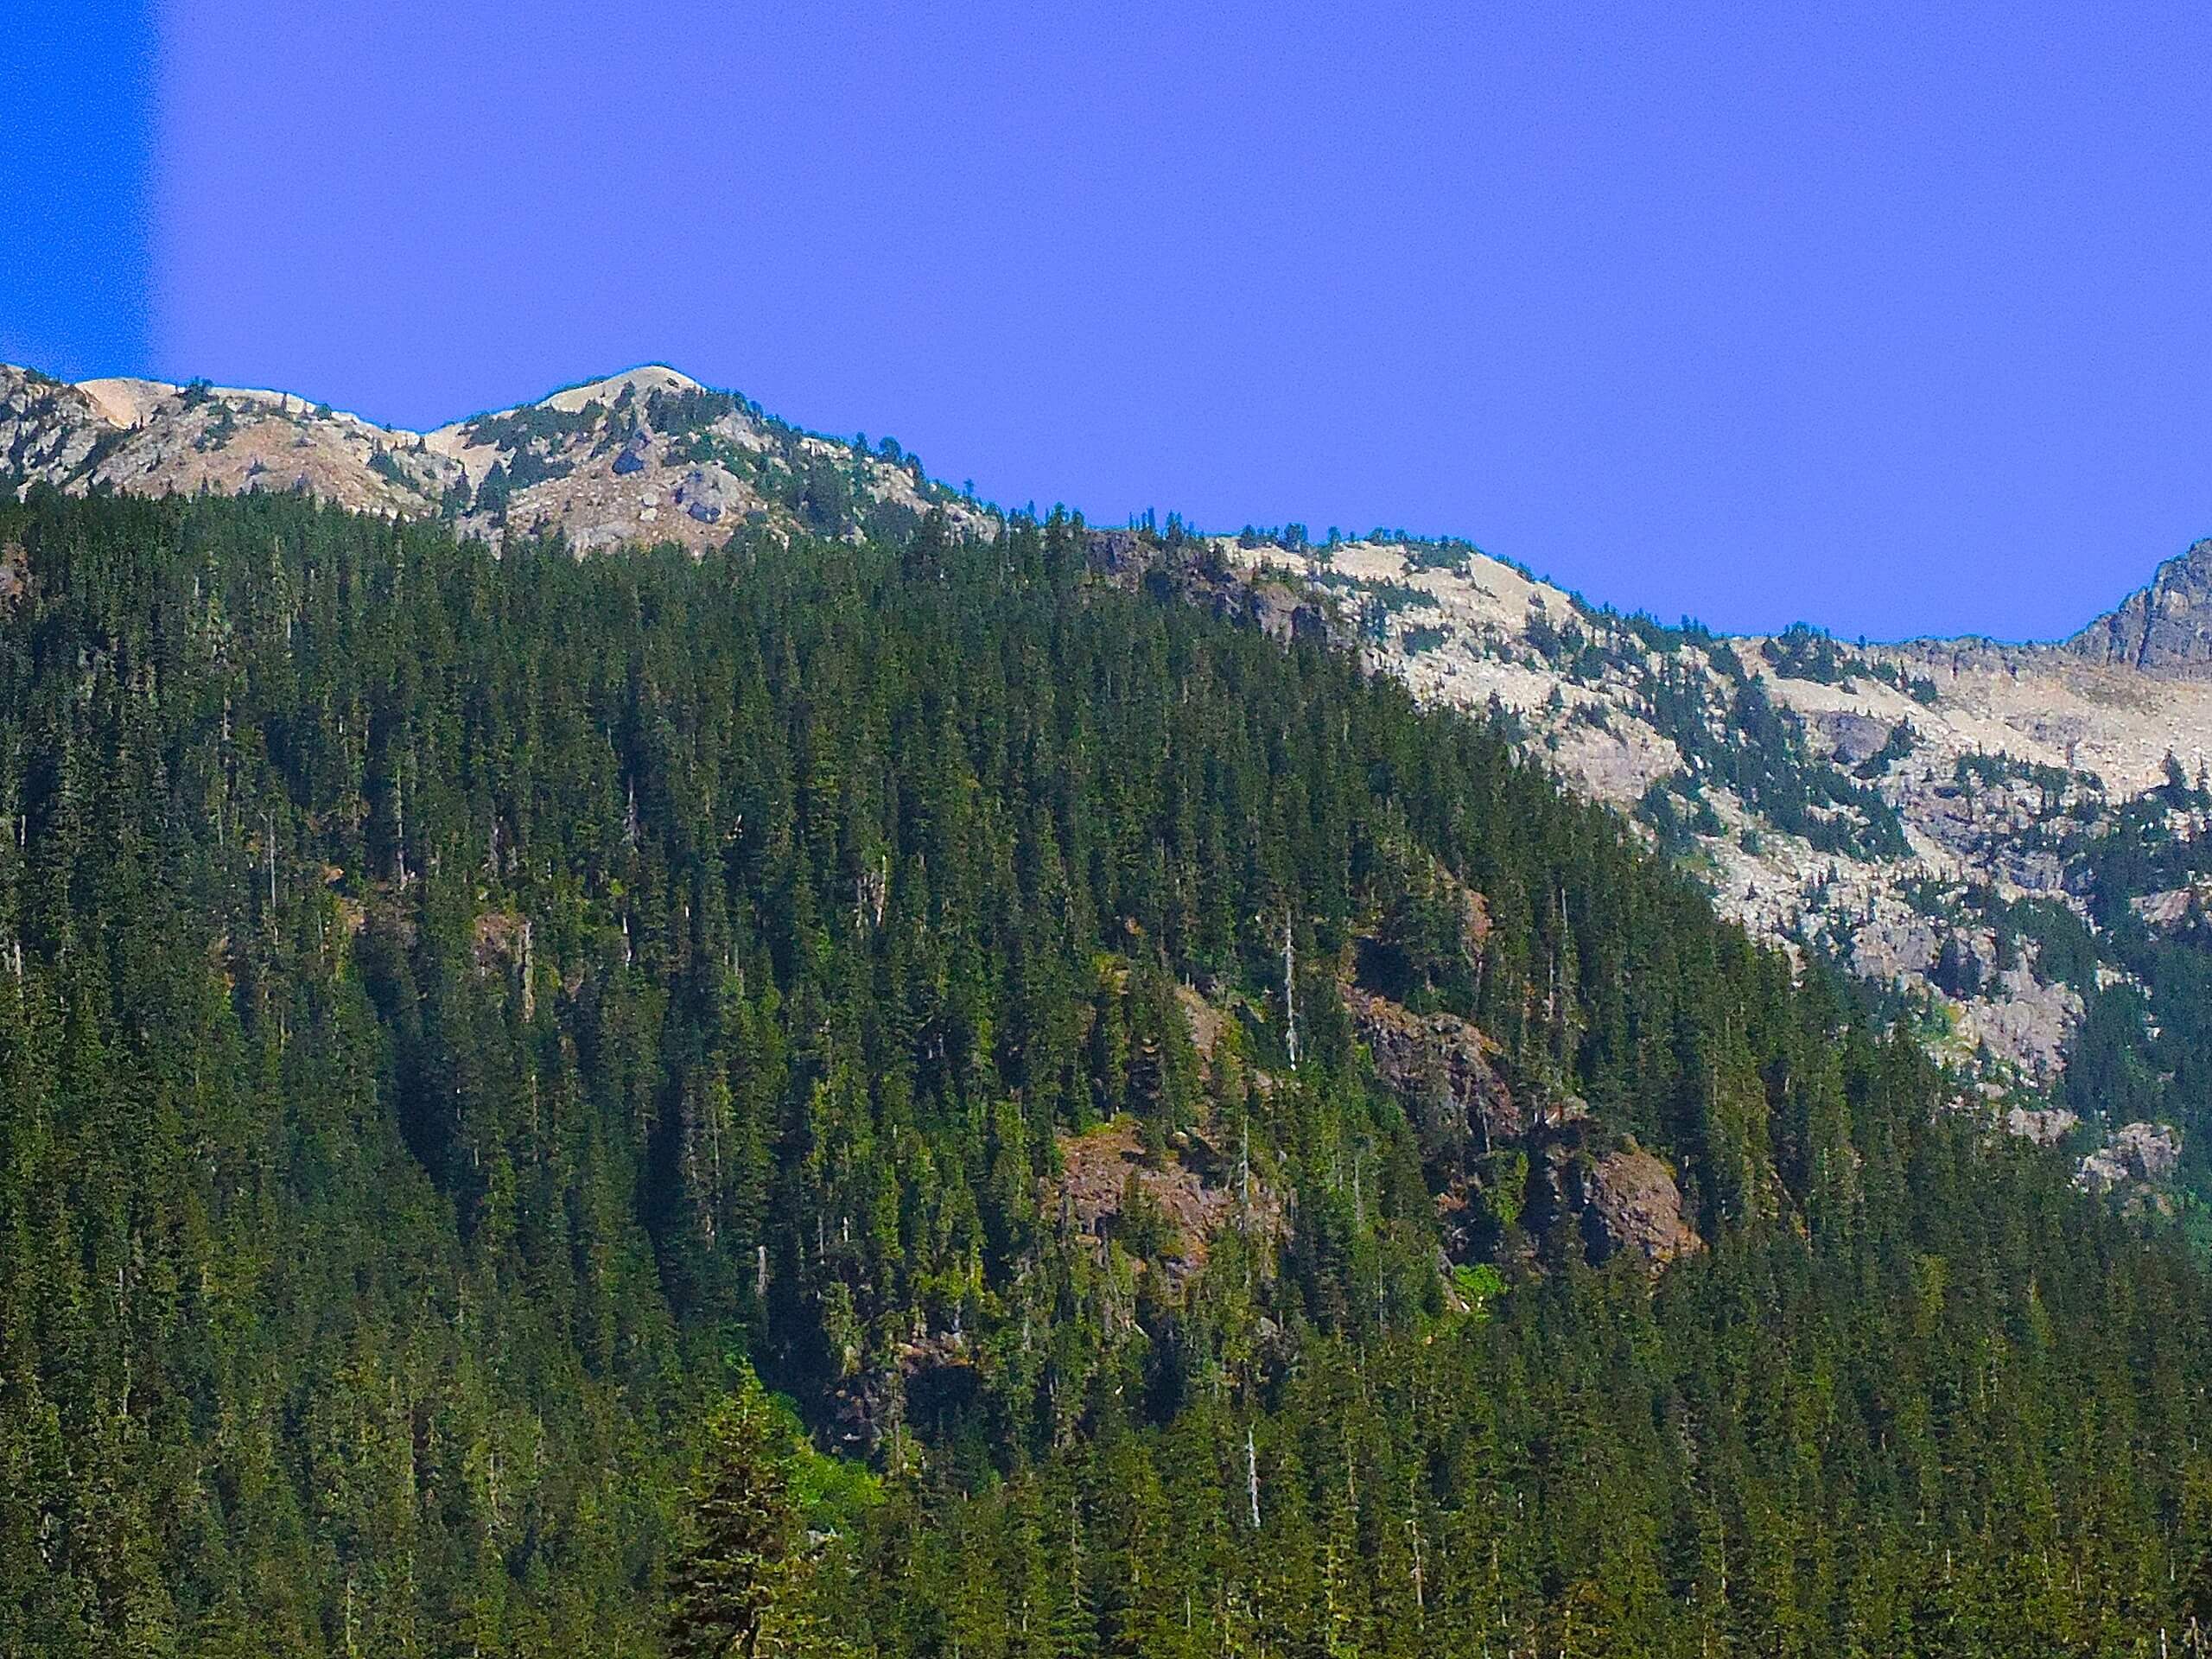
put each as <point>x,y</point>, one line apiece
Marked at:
<point>1892,317</point>
<point>77,80</point>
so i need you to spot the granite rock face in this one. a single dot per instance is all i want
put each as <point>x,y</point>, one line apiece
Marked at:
<point>1196,572</point>
<point>2165,626</point>
<point>1984,762</point>
<point>637,453</point>
<point>2149,1152</point>
<point>46,426</point>
<point>704,493</point>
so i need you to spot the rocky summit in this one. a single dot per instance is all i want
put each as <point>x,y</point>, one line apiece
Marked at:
<point>2165,626</point>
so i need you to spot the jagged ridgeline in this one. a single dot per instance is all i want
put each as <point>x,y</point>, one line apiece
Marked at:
<point>1215,1159</point>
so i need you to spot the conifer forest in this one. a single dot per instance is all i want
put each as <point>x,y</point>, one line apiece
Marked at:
<point>920,1095</point>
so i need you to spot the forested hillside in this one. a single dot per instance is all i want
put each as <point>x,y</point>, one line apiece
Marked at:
<point>1151,1099</point>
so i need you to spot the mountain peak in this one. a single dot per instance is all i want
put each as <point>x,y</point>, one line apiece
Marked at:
<point>2167,626</point>
<point>640,382</point>
<point>646,454</point>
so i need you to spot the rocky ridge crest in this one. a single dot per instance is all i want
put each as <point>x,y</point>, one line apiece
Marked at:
<point>649,456</point>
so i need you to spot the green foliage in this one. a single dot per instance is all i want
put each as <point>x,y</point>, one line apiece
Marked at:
<point>1505,1181</point>
<point>1678,810</point>
<point>1143,1228</point>
<point>1984,769</point>
<point>2143,1049</point>
<point>219,431</point>
<point>1802,653</point>
<point>1478,1284</point>
<point>532,425</point>
<point>1919,687</point>
<point>493,490</point>
<point>1756,748</point>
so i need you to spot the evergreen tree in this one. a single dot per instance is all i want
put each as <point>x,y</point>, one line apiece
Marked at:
<point>735,1582</point>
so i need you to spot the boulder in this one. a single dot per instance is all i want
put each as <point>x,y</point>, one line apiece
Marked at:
<point>635,453</point>
<point>2044,1129</point>
<point>1631,1203</point>
<point>1439,1065</point>
<point>1283,614</point>
<point>1852,737</point>
<point>2149,1152</point>
<point>704,493</point>
<point>1115,552</point>
<point>2138,1155</point>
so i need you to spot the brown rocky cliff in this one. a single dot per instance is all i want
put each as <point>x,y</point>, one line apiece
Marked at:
<point>1440,1066</point>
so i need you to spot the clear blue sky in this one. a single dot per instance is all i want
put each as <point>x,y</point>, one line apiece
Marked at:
<point>1894,317</point>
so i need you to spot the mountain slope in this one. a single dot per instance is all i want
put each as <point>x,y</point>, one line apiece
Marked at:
<point>1241,1158</point>
<point>1918,811</point>
<point>1922,813</point>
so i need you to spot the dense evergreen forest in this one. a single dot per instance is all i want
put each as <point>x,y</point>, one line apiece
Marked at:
<point>465,1017</point>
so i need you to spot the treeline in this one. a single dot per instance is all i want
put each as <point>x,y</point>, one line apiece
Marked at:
<point>460,1015</point>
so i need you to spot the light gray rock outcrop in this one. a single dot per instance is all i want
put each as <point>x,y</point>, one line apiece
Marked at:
<point>2167,626</point>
